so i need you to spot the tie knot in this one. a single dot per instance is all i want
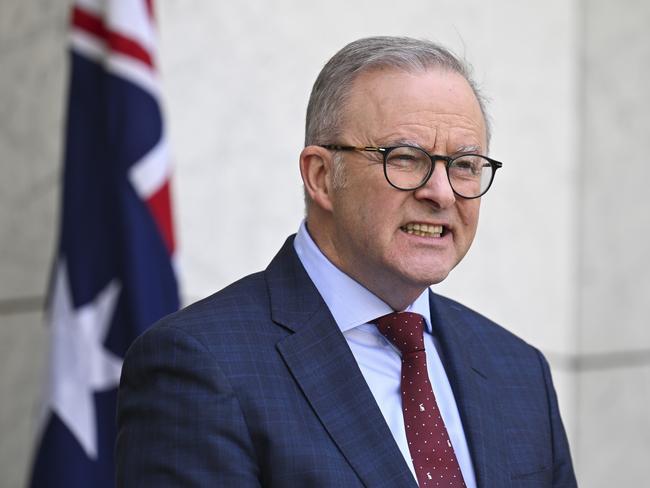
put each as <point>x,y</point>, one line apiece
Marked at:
<point>404,329</point>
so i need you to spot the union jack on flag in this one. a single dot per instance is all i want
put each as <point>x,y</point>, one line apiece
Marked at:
<point>113,275</point>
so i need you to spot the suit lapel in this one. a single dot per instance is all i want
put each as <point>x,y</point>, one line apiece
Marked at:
<point>322,364</point>
<point>469,369</point>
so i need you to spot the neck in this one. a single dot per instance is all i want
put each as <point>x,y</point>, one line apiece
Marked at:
<point>396,296</point>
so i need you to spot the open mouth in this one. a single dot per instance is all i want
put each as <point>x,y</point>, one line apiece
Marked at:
<point>424,230</point>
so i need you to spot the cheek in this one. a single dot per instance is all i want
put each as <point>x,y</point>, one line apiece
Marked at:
<point>369,209</point>
<point>353,214</point>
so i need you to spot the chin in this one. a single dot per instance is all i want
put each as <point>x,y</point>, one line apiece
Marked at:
<point>424,280</point>
<point>425,273</point>
<point>435,279</point>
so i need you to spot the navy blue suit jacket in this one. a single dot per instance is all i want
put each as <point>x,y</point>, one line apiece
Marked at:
<point>256,386</point>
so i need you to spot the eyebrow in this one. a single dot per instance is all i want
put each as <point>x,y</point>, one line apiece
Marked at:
<point>466,149</point>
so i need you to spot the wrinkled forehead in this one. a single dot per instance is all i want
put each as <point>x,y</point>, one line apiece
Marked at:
<point>385,99</point>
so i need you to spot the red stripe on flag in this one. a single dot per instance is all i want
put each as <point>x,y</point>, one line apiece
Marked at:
<point>150,9</point>
<point>129,47</point>
<point>116,42</point>
<point>88,22</point>
<point>160,207</point>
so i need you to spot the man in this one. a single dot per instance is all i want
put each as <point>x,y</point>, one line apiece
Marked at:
<point>304,374</point>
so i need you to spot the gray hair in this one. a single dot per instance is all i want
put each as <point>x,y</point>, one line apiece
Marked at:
<point>326,106</point>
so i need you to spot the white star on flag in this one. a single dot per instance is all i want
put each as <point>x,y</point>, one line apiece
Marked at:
<point>79,363</point>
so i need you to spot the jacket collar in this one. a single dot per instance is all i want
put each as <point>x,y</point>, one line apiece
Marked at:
<point>471,373</point>
<point>319,359</point>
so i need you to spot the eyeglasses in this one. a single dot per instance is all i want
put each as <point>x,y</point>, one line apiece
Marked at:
<point>408,168</point>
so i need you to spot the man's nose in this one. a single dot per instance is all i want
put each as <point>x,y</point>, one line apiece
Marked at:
<point>437,188</point>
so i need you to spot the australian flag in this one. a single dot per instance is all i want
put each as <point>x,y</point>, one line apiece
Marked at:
<point>113,275</point>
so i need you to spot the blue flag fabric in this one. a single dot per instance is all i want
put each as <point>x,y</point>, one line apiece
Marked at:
<point>113,274</point>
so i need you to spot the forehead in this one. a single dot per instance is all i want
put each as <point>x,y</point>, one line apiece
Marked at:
<point>434,108</point>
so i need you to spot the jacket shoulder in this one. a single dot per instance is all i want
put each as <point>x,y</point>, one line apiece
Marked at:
<point>237,314</point>
<point>245,296</point>
<point>488,331</point>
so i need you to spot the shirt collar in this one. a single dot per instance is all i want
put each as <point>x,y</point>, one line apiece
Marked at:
<point>350,303</point>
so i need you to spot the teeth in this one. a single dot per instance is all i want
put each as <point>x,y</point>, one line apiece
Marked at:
<point>423,230</point>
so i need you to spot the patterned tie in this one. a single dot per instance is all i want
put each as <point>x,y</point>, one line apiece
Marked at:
<point>431,451</point>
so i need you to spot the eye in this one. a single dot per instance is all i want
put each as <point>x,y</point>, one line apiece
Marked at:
<point>469,166</point>
<point>407,158</point>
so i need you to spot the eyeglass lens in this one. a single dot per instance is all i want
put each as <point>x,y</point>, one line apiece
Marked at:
<point>408,167</point>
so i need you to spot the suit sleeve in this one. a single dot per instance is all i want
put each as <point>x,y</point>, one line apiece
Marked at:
<point>563,474</point>
<point>179,420</point>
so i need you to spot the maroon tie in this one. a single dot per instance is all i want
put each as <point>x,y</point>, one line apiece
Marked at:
<point>431,451</point>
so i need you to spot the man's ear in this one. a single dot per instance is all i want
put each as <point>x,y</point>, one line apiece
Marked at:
<point>316,171</point>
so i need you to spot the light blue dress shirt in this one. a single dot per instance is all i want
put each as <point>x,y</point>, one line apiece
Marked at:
<point>353,307</point>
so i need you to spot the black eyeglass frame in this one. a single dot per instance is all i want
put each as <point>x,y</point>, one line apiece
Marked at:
<point>385,151</point>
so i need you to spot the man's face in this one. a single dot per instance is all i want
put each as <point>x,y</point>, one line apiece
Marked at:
<point>370,220</point>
